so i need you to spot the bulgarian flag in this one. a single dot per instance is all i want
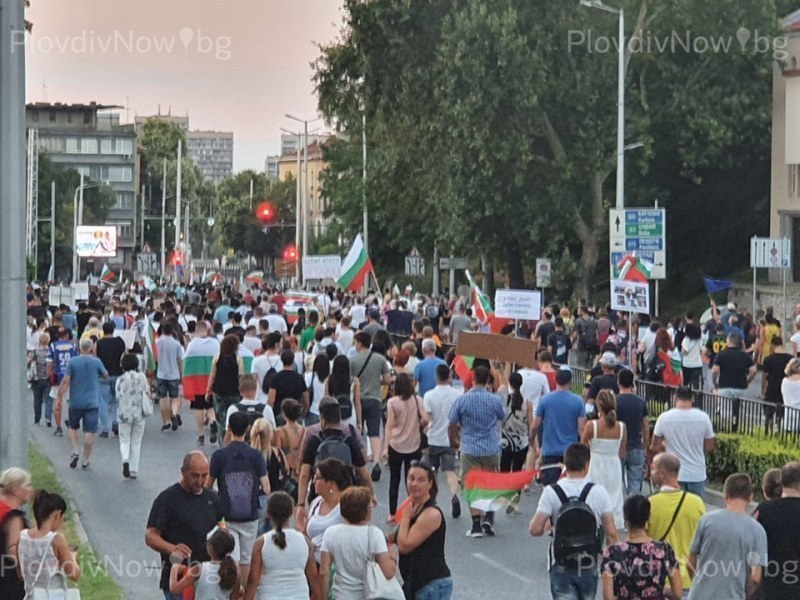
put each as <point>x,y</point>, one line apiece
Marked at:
<point>152,350</point>
<point>634,268</point>
<point>197,366</point>
<point>147,282</point>
<point>462,365</point>
<point>247,359</point>
<point>256,277</point>
<point>488,491</point>
<point>107,275</point>
<point>356,266</point>
<point>213,278</point>
<point>482,306</point>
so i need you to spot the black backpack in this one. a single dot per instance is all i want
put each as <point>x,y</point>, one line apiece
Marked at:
<point>266,383</point>
<point>254,412</point>
<point>587,335</point>
<point>239,487</point>
<point>576,540</point>
<point>345,406</point>
<point>333,446</point>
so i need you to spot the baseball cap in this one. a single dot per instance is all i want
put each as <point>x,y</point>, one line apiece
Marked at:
<point>563,376</point>
<point>608,359</point>
<point>731,306</point>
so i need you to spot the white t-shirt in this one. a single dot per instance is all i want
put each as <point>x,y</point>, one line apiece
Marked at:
<point>438,402</point>
<point>358,314</point>
<point>534,385</point>
<point>684,431</point>
<point>795,339</point>
<point>347,544</point>
<point>252,343</point>
<point>269,415</point>
<point>693,358</point>
<point>319,391</point>
<point>277,323</point>
<point>262,364</point>
<point>598,499</point>
<point>345,339</point>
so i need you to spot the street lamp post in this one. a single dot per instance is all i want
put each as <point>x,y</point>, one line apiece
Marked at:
<point>297,203</point>
<point>620,200</point>
<point>77,219</point>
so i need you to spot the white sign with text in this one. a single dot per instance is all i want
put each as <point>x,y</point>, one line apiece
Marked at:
<point>322,267</point>
<point>523,305</point>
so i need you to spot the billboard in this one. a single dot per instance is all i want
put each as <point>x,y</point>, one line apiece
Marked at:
<point>96,241</point>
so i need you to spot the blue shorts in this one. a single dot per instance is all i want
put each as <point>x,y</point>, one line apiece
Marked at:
<point>168,387</point>
<point>88,416</point>
<point>371,413</point>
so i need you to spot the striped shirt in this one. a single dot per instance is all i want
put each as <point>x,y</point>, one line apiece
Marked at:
<point>478,413</point>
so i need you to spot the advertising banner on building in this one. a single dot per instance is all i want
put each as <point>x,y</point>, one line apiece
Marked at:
<point>96,241</point>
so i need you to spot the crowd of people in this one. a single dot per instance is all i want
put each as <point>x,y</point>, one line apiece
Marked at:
<point>301,411</point>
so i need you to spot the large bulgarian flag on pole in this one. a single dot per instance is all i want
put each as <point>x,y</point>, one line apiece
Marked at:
<point>482,306</point>
<point>488,491</point>
<point>107,275</point>
<point>356,266</point>
<point>197,366</point>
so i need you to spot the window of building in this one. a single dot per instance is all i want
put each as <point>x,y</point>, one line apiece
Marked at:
<point>116,146</point>
<point>72,145</point>
<point>794,180</point>
<point>87,118</point>
<point>69,117</point>
<point>52,116</point>
<point>124,229</point>
<point>117,174</point>
<point>35,117</point>
<point>89,145</point>
<point>54,145</point>
<point>125,201</point>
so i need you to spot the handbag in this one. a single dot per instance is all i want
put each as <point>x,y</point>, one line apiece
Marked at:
<point>376,586</point>
<point>49,593</point>
<point>289,483</point>
<point>147,404</point>
<point>423,437</point>
<point>33,372</point>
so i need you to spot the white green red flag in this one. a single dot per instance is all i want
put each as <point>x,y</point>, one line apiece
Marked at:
<point>633,268</point>
<point>489,491</point>
<point>197,366</point>
<point>481,305</point>
<point>152,350</point>
<point>256,278</point>
<point>213,278</point>
<point>107,275</point>
<point>356,266</point>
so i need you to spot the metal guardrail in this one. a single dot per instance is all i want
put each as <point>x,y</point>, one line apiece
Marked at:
<point>745,416</point>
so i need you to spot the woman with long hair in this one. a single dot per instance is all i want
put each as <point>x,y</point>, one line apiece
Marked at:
<point>607,440</point>
<point>406,418</point>
<point>315,382</point>
<point>40,386</point>
<point>223,383</point>
<point>421,537</point>
<point>15,492</point>
<point>665,353</point>
<point>133,393</point>
<point>289,436</point>
<point>283,559</point>
<point>216,579</point>
<point>692,353</point>
<point>331,478</point>
<point>261,436</point>
<point>342,384</point>
<point>790,391</point>
<point>515,427</point>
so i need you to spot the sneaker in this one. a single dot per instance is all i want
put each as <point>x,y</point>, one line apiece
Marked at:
<point>201,441</point>
<point>49,423</point>
<point>213,430</point>
<point>376,472</point>
<point>58,432</point>
<point>166,427</point>
<point>73,462</point>
<point>115,429</point>
<point>126,470</point>
<point>174,423</point>
<point>36,422</point>
<point>488,527</point>
<point>104,434</point>
<point>133,474</point>
<point>180,421</point>
<point>85,466</point>
<point>475,532</point>
<point>456,512</point>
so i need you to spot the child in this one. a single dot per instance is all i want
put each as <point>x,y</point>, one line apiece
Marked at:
<point>217,579</point>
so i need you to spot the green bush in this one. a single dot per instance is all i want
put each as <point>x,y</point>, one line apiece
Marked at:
<point>754,455</point>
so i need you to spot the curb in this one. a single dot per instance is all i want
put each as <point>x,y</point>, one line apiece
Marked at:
<point>717,500</point>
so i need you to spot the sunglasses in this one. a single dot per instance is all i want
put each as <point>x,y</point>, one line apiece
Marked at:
<point>421,464</point>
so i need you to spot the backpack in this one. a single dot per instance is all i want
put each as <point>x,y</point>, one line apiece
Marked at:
<point>576,540</point>
<point>345,406</point>
<point>266,383</point>
<point>254,412</point>
<point>560,343</point>
<point>432,312</point>
<point>240,487</point>
<point>333,446</point>
<point>587,335</point>
<point>654,369</point>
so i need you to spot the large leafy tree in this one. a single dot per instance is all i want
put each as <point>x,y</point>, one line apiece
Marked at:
<point>491,125</point>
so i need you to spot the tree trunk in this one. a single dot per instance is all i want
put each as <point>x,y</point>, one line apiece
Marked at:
<point>516,276</point>
<point>488,276</point>
<point>590,236</point>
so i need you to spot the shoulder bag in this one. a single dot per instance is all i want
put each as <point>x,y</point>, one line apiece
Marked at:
<point>147,404</point>
<point>423,437</point>
<point>376,586</point>
<point>50,593</point>
<point>674,516</point>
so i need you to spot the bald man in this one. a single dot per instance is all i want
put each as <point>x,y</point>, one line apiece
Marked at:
<point>181,517</point>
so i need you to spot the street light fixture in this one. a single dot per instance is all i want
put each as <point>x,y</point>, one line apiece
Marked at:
<point>77,211</point>
<point>600,5</point>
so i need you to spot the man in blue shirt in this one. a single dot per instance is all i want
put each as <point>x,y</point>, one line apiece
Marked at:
<point>83,381</point>
<point>561,416</point>
<point>61,352</point>
<point>473,426</point>
<point>425,371</point>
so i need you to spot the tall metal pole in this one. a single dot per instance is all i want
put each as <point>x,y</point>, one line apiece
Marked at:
<point>251,194</point>
<point>80,222</point>
<point>53,230</point>
<point>13,407</point>
<point>141,224</point>
<point>364,188</point>
<point>621,115</point>
<point>297,215</point>
<point>164,219</point>
<point>305,192</point>
<point>178,198</point>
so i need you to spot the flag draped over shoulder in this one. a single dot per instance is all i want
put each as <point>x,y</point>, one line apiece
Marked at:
<point>482,306</point>
<point>152,350</point>
<point>197,366</point>
<point>356,266</point>
<point>488,490</point>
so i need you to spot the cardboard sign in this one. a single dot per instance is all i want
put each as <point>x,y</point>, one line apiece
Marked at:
<point>525,305</point>
<point>497,347</point>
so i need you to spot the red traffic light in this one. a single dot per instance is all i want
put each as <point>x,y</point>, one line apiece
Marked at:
<point>290,252</point>
<point>265,212</point>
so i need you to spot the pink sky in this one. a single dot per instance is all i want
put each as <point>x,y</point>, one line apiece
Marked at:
<point>235,65</point>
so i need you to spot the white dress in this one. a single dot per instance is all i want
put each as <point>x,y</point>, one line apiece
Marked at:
<point>605,468</point>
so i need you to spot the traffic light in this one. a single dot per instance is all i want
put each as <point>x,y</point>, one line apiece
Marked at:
<point>290,253</point>
<point>265,213</point>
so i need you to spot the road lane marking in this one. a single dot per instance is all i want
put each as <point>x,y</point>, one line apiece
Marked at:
<point>500,567</point>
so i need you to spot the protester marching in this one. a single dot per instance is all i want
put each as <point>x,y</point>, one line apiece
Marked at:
<point>605,438</point>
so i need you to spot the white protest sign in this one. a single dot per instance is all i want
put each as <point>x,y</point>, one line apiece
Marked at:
<point>322,267</point>
<point>630,296</point>
<point>523,305</point>
<point>80,291</point>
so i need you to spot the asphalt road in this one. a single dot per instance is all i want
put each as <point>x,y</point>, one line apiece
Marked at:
<point>114,512</point>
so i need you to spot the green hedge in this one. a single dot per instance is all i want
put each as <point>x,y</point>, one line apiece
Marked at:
<point>754,455</point>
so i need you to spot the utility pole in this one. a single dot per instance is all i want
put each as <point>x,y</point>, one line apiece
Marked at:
<point>178,198</point>
<point>52,230</point>
<point>13,407</point>
<point>364,189</point>
<point>305,194</point>
<point>164,219</point>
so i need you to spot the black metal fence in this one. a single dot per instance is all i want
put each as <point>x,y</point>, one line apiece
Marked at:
<point>746,416</point>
